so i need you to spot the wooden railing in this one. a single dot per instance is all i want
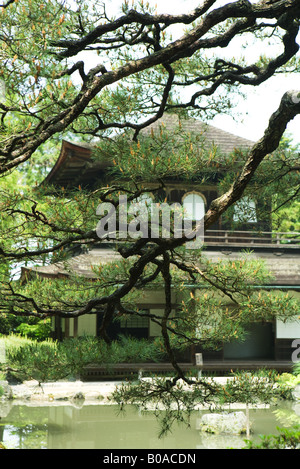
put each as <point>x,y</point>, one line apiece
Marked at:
<point>252,238</point>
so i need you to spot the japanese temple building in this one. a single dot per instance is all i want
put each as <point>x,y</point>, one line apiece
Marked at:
<point>269,344</point>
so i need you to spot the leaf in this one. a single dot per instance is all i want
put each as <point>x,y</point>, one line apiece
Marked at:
<point>61,20</point>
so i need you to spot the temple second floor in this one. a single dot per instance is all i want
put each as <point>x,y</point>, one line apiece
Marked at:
<point>247,224</point>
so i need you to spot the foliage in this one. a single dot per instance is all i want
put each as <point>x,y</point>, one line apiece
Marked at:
<point>40,331</point>
<point>287,416</point>
<point>296,369</point>
<point>37,360</point>
<point>174,400</point>
<point>132,350</point>
<point>287,439</point>
<point>289,379</point>
<point>48,95</point>
<point>253,388</point>
<point>162,154</point>
<point>228,299</point>
<point>51,360</point>
<point>30,327</point>
<point>8,323</point>
<point>287,218</point>
<point>14,341</point>
<point>72,70</point>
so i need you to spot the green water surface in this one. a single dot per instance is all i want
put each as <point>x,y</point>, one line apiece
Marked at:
<point>102,427</point>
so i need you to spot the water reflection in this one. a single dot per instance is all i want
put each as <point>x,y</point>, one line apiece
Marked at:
<point>102,427</point>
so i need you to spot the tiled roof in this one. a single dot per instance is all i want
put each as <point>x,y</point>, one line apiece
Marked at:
<point>225,141</point>
<point>284,266</point>
<point>75,167</point>
<point>81,264</point>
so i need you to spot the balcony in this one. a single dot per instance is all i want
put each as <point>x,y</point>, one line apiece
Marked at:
<point>252,239</point>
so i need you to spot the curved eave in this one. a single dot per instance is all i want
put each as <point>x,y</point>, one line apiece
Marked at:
<point>75,166</point>
<point>72,159</point>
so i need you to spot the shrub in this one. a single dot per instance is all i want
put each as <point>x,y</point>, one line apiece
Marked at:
<point>51,360</point>
<point>288,380</point>
<point>28,327</point>
<point>37,360</point>
<point>39,331</point>
<point>80,352</point>
<point>13,341</point>
<point>132,350</point>
<point>287,439</point>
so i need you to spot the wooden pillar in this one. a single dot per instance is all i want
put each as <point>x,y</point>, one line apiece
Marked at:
<point>75,327</point>
<point>58,328</point>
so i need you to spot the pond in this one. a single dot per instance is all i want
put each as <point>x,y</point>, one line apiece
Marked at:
<point>65,426</point>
